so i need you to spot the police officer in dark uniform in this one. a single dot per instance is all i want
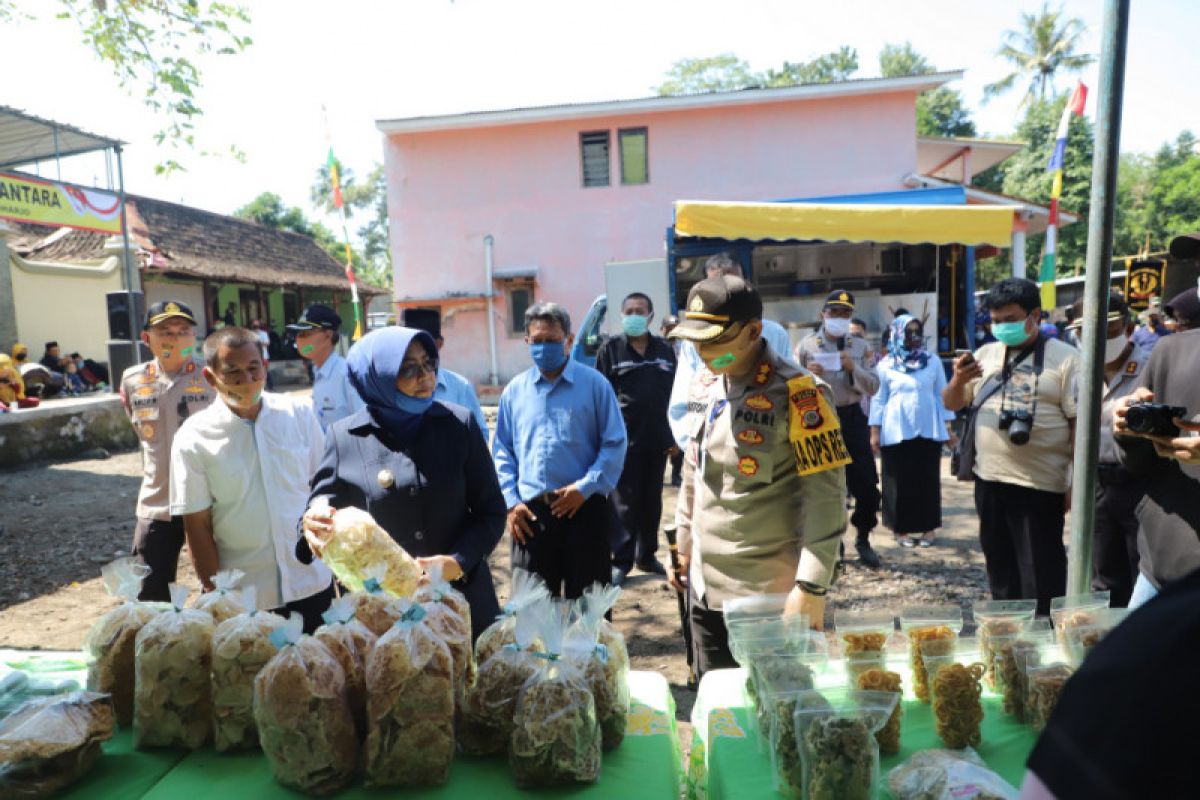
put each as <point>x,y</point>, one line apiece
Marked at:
<point>419,466</point>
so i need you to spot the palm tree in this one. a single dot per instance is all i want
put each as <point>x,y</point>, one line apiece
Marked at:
<point>1045,45</point>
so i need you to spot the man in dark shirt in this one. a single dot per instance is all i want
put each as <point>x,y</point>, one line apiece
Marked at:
<point>641,369</point>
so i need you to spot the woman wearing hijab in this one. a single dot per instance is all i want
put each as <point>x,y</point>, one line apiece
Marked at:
<point>421,467</point>
<point>909,425</point>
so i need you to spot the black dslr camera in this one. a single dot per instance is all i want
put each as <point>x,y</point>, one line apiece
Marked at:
<point>1154,419</point>
<point>1018,423</point>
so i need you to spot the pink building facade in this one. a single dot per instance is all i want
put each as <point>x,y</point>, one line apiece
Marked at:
<point>519,178</point>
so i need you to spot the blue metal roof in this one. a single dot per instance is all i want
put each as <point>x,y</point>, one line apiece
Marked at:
<point>940,196</point>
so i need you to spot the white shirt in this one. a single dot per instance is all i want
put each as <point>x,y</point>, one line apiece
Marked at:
<point>264,343</point>
<point>909,405</point>
<point>254,476</point>
<point>332,395</point>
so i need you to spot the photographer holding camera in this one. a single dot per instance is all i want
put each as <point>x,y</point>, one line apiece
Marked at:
<point>1156,429</point>
<point>1021,391</point>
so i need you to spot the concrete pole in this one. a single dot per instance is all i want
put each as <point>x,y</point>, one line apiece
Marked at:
<point>1018,252</point>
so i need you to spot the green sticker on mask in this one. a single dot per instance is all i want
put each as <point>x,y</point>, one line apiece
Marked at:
<point>257,396</point>
<point>308,348</point>
<point>723,361</point>
<point>187,351</point>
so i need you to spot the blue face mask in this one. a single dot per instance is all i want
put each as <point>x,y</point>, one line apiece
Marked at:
<point>634,324</point>
<point>548,356</point>
<point>413,405</point>
<point>1010,334</point>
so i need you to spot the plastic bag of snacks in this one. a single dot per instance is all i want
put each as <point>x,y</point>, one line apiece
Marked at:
<point>778,636</point>
<point>1011,653</point>
<point>607,668</point>
<point>996,619</point>
<point>772,655</point>
<point>50,742</point>
<point>1076,611</point>
<point>864,631</point>
<point>1046,672</point>
<point>303,714</point>
<point>596,601</point>
<point>351,642</point>
<point>556,738</point>
<point>374,607</point>
<point>110,642</point>
<point>956,688</point>
<point>527,588</point>
<point>756,607</point>
<point>785,681</point>
<point>172,701</point>
<point>225,601</point>
<point>241,646</point>
<point>1080,639</point>
<point>357,543</point>
<point>449,617</point>
<point>486,724</point>
<point>947,775</point>
<point>922,623</point>
<point>881,680</point>
<point>410,703</point>
<point>839,756</point>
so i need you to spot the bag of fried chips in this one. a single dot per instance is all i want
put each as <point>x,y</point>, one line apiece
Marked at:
<point>606,670</point>
<point>410,703</point>
<point>350,642</point>
<point>556,738</point>
<point>450,618</point>
<point>527,588</point>
<point>110,642</point>
<point>172,703</point>
<point>49,743</point>
<point>373,606</point>
<point>358,543</point>
<point>241,647</point>
<point>303,715</point>
<point>487,720</point>
<point>225,601</point>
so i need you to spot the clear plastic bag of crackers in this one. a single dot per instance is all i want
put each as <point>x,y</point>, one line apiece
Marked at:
<point>921,623</point>
<point>49,743</point>
<point>947,775</point>
<point>241,647</point>
<point>225,601</point>
<point>358,543</point>
<point>527,589</point>
<point>608,681</point>
<point>373,606</point>
<point>996,621</point>
<point>450,618</point>
<point>351,643</point>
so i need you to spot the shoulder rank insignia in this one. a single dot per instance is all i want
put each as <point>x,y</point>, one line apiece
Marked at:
<point>1131,368</point>
<point>763,374</point>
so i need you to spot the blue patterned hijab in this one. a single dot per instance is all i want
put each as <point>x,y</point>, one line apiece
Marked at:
<point>905,359</point>
<point>374,364</point>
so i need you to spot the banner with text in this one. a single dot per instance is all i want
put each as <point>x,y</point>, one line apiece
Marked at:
<point>27,199</point>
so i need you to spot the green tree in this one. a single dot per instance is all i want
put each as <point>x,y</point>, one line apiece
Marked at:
<point>1045,45</point>
<point>832,67</point>
<point>1173,200</point>
<point>720,73</point>
<point>268,209</point>
<point>154,49</point>
<point>941,111</point>
<point>370,197</point>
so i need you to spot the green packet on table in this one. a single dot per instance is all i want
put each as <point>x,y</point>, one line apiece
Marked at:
<point>48,664</point>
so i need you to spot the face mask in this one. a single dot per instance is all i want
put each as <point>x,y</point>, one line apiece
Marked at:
<point>837,327</point>
<point>413,405</point>
<point>549,356</point>
<point>634,324</point>
<point>1010,334</point>
<point>1113,348</point>
<point>243,395</point>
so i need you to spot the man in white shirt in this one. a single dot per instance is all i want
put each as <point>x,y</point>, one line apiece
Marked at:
<point>317,335</point>
<point>240,473</point>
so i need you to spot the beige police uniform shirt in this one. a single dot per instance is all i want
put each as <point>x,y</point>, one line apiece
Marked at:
<point>1044,461</point>
<point>752,523</point>
<point>1122,384</point>
<point>157,404</point>
<point>849,388</point>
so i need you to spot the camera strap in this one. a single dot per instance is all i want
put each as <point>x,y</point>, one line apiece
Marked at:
<point>1038,351</point>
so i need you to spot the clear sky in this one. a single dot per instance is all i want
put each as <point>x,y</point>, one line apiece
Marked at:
<point>370,59</point>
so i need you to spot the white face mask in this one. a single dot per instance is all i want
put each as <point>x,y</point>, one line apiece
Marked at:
<point>837,327</point>
<point>1114,347</point>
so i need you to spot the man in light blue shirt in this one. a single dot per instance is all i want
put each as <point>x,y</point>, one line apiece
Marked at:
<point>451,387</point>
<point>559,449</point>
<point>333,397</point>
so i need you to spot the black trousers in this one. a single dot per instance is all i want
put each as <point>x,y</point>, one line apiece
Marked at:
<point>1021,530</point>
<point>1114,543</point>
<point>637,505</point>
<point>710,639</point>
<point>311,608</point>
<point>158,542</point>
<point>862,479</point>
<point>677,468</point>
<point>569,554</point>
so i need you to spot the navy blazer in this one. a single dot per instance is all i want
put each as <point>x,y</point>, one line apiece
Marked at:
<point>444,497</point>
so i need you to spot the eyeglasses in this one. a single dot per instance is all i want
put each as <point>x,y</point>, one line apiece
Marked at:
<point>414,371</point>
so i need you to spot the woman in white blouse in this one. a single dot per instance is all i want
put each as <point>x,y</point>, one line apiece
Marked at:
<point>909,425</point>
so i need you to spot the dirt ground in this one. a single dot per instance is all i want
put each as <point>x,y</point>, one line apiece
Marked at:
<point>59,522</point>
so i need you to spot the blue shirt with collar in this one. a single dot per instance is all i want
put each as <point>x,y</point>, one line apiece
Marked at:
<point>454,388</point>
<point>333,397</point>
<point>551,434</point>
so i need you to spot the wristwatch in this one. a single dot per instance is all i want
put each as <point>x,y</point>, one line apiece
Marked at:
<point>812,588</point>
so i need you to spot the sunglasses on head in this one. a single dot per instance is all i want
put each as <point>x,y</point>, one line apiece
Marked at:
<point>414,371</point>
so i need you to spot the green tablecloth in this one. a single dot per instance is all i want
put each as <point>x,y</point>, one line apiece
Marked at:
<point>726,761</point>
<point>646,765</point>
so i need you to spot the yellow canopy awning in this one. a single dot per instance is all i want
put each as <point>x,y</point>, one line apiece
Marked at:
<point>969,225</point>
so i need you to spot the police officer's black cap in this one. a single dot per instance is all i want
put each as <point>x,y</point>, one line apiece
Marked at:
<point>165,310</point>
<point>840,299</point>
<point>713,305</point>
<point>317,317</point>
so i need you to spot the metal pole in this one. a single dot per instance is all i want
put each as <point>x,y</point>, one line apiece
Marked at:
<point>1096,290</point>
<point>489,242</point>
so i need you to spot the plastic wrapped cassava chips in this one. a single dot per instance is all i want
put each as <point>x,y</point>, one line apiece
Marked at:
<point>358,543</point>
<point>241,647</point>
<point>350,642</point>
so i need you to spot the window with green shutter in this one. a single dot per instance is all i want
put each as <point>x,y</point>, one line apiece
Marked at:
<point>635,166</point>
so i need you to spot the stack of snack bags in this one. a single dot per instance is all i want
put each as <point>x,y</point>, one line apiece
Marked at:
<point>527,589</point>
<point>224,601</point>
<point>556,738</point>
<point>172,703</point>
<point>785,682</point>
<point>838,752</point>
<point>996,622</point>
<point>110,644</point>
<point>1045,670</point>
<point>351,642</point>
<point>49,743</point>
<point>955,688</point>
<point>937,625</point>
<point>865,638</point>
<point>303,713</point>
<point>486,725</point>
<point>769,648</point>
<point>357,543</point>
<point>449,617</point>
<point>1012,653</point>
<point>241,647</point>
<point>410,703</point>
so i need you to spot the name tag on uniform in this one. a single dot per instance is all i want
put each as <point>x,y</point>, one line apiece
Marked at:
<point>814,429</point>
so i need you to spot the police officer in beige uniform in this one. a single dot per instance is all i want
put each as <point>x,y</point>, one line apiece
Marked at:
<point>762,507</point>
<point>158,396</point>
<point>852,379</point>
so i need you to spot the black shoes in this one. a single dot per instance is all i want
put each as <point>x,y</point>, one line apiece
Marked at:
<point>867,555</point>
<point>618,576</point>
<point>653,567</point>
